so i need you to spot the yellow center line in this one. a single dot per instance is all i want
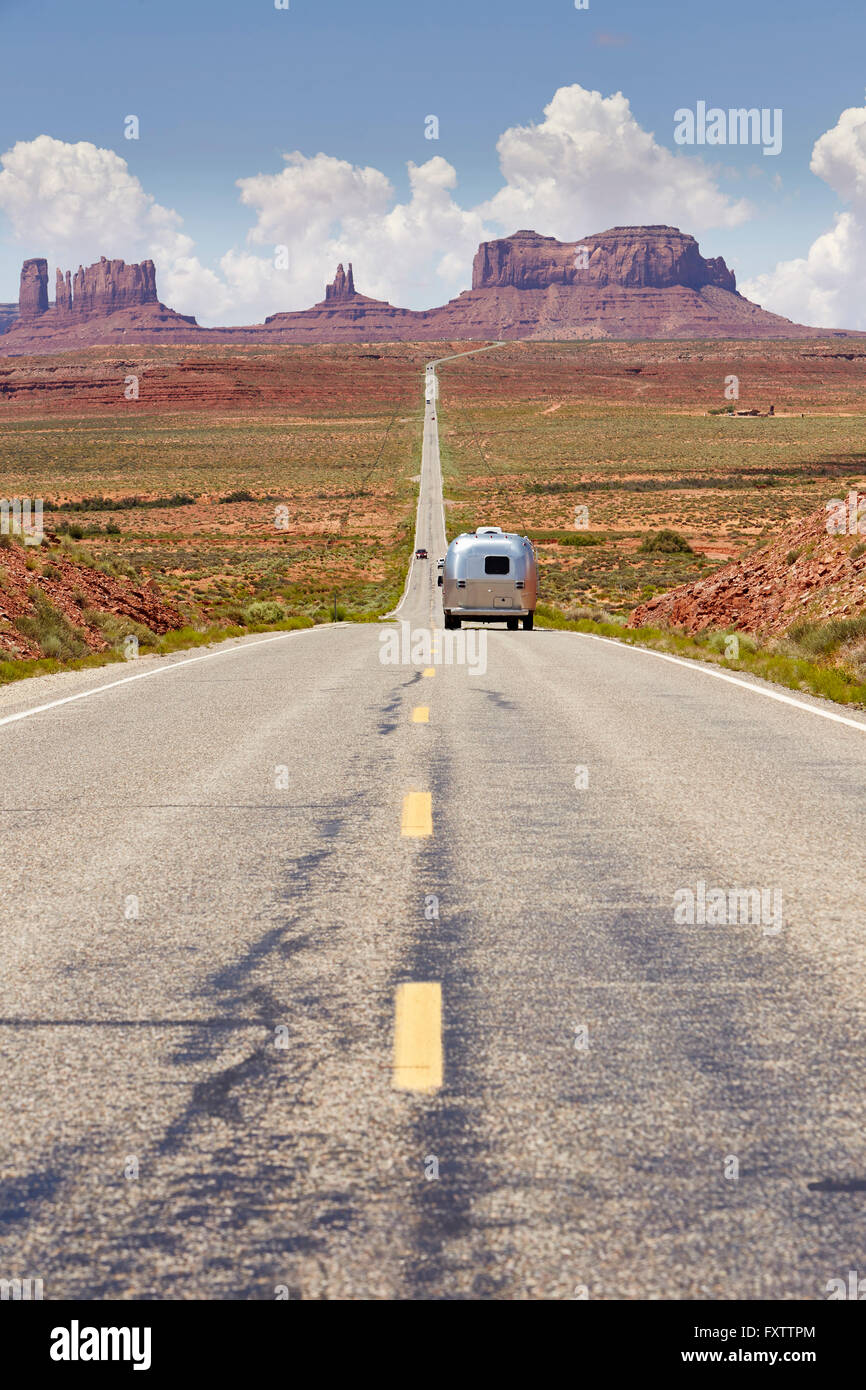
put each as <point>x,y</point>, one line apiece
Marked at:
<point>418,1037</point>
<point>421,714</point>
<point>417,816</point>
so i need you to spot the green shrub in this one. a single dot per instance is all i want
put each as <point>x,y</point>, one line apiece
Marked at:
<point>264,611</point>
<point>47,625</point>
<point>665,542</point>
<point>115,627</point>
<point>819,639</point>
<point>580,538</point>
<point>119,504</point>
<point>717,641</point>
<point>118,569</point>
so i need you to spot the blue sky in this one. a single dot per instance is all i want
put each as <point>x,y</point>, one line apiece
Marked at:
<point>224,89</point>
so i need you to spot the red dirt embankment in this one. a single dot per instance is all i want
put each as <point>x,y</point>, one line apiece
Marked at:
<point>806,573</point>
<point>76,591</point>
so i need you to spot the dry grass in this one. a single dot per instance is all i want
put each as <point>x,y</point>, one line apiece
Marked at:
<point>330,509</point>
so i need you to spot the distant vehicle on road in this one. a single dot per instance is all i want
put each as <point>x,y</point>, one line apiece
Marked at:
<point>490,576</point>
<point>440,564</point>
<point>420,553</point>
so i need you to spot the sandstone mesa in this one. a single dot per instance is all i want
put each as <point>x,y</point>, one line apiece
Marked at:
<point>625,283</point>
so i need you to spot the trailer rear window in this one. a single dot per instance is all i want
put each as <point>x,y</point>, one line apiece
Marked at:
<point>495,564</point>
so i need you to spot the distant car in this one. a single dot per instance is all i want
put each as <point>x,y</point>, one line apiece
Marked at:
<point>440,564</point>
<point>421,553</point>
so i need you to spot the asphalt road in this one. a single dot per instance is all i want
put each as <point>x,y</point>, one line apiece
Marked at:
<point>239,1044</point>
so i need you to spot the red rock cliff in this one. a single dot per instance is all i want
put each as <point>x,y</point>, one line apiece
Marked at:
<point>92,291</point>
<point>33,294</point>
<point>109,285</point>
<point>63,292</point>
<point>342,286</point>
<point>652,257</point>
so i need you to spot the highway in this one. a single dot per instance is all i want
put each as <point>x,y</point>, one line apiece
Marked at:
<point>328,978</point>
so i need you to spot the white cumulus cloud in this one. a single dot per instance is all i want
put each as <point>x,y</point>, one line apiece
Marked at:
<point>75,197</point>
<point>589,165</point>
<point>827,286</point>
<point>324,210</point>
<point>76,202</point>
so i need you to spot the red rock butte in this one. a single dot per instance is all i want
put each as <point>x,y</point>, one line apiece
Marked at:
<point>625,283</point>
<point>99,289</point>
<point>99,303</point>
<point>342,288</point>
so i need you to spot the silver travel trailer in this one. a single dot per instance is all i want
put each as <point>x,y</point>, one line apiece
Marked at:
<point>490,576</point>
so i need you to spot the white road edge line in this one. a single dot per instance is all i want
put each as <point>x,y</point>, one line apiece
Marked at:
<point>161,671</point>
<point>706,670</point>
